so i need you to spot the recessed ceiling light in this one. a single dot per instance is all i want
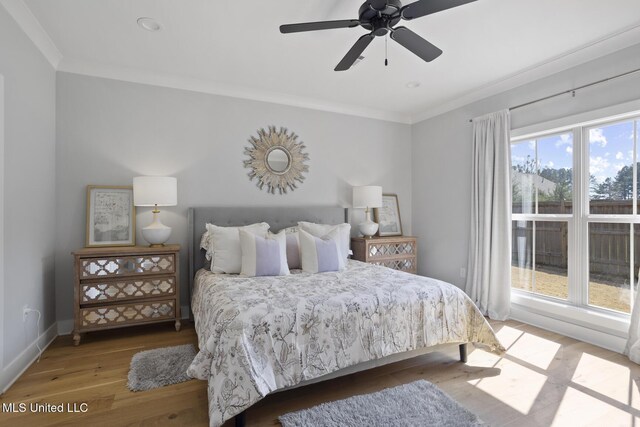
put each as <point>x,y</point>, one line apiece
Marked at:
<point>149,24</point>
<point>413,85</point>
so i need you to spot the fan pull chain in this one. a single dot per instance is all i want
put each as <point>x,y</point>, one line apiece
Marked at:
<point>386,60</point>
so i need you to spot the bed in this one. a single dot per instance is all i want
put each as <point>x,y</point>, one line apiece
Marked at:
<point>257,336</point>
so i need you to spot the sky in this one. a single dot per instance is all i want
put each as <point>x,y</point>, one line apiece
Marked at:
<point>553,151</point>
<point>610,149</point>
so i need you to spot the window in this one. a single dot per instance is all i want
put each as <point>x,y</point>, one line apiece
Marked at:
<point>576,219</point>
<point>542,188</point>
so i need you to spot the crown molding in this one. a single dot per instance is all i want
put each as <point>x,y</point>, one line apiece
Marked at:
<point>619,40</point>
<point>25,19</point>
<point>23,16</point>
<point>216,88</point>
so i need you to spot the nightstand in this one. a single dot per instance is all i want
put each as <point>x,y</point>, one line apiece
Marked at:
<point>125,286</point>
<point>397,252</point>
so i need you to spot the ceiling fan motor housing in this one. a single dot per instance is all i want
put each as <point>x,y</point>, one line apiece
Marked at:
<point>379,16</point>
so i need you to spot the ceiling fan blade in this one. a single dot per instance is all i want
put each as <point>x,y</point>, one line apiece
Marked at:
<point>427,7</point>
<point>354,53</point>
<point>415,43</point>
<point>315,26</point>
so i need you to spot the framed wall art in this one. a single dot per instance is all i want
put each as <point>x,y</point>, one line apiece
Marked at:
<point>388,216</point>
<point>111,216</point>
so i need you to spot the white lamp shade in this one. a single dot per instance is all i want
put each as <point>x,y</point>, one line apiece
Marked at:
<point>155,190</point>
<point>368,196</point>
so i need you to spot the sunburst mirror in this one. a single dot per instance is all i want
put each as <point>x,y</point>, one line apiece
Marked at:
<point>276,159</point>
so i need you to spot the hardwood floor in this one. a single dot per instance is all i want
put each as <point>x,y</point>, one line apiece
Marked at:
<point>543,379</point>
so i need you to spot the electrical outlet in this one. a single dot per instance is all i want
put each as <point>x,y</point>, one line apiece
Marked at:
<point>463,272</point>
<point>25,312</point>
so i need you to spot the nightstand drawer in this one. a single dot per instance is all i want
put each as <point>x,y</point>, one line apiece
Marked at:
<point>114,266</point>
<point>113,315</point>
<point>390,249</point>
<point>127,289</point>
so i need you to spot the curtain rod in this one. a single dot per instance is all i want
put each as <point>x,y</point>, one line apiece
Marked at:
<point>572,91</point>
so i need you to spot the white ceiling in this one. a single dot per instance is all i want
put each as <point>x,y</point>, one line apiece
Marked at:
<point>235,48</point>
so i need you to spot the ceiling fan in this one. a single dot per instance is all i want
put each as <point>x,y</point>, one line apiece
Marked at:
<point>380,17</point>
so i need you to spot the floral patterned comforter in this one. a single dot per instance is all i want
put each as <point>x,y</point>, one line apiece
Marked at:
<point>258,335</point>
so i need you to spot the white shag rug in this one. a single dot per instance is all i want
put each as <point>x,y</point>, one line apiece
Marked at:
<point>417,404</point>
<point>160,367</point>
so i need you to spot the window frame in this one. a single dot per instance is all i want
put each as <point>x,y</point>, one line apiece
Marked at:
<point>579,220</point>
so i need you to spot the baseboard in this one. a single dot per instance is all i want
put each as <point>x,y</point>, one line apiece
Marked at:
<point>17,366</point>
<point>65,327</point>
<point>582,333</point>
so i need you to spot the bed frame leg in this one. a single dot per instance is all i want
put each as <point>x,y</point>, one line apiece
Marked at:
<point>463,353</point>
<point>241,419</point>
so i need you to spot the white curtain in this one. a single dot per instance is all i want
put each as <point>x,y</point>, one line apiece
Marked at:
<point>489,269</point>
<point>633,342</point>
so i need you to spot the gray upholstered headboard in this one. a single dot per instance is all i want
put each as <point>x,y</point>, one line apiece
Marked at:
<point>277,217</point>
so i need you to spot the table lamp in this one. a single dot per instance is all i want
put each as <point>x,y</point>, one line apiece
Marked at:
<point>366,197</point>
<point>155,191</point>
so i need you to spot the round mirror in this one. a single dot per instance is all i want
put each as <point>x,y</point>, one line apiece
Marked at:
<point>278,160</point>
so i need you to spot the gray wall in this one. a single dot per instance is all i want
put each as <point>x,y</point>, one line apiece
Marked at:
<point>29,188</point>
<point>442,152</point>
<point>110,131</point>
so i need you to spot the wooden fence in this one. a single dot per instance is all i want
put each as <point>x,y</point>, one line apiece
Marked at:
<point>609,243</point>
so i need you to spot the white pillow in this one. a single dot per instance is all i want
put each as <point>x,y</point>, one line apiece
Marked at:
<point>321,254</point>
<point>320,230</point>
<point>263,256</point>
<point>225,246</point>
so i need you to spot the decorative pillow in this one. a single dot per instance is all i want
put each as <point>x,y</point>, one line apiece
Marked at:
<point>320,254</point>
<point>205,243</point>
<point>293,248</point>
<point>225,246</point>
<point>320,230</point>
<point>263,256</point>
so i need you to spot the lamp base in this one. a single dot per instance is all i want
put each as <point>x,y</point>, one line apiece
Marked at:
<point>368,228</point>
<point>156,233</point>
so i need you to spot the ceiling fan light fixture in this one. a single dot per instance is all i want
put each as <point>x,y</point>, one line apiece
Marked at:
<point>413,85</point>
<point>149,24</point>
